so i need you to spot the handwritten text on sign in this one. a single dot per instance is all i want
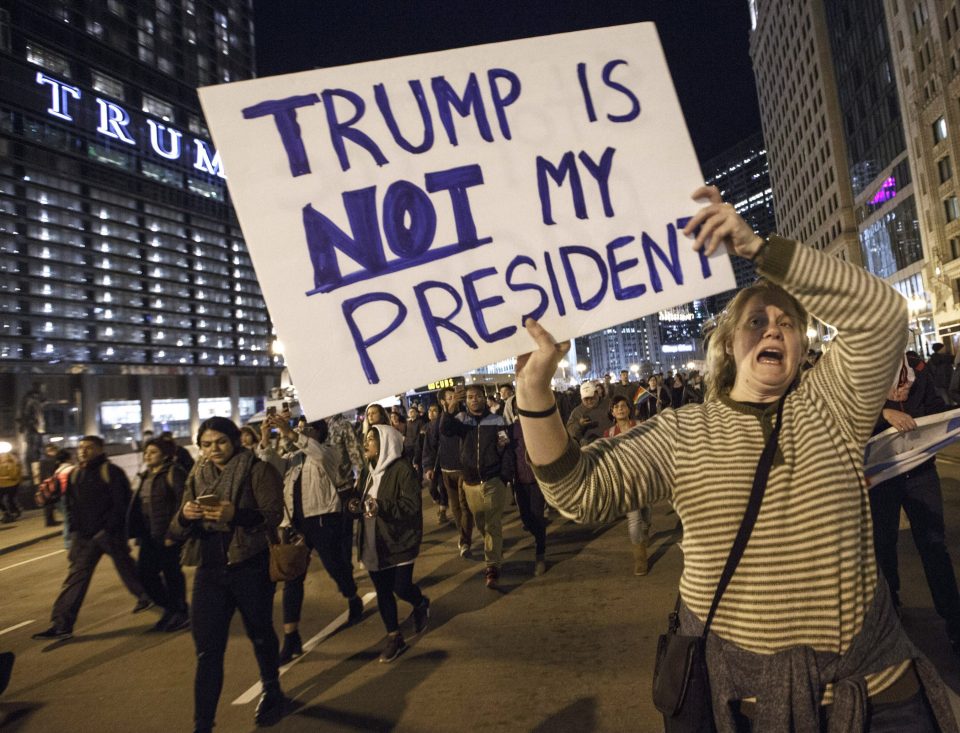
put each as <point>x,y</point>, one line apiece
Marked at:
<point>405,216</point>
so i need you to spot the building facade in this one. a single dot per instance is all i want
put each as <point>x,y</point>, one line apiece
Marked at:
<point>127,293</point>
<point>926,52</point>
<point>831,113</point>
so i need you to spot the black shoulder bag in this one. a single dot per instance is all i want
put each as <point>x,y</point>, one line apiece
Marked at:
<point>681,686</point>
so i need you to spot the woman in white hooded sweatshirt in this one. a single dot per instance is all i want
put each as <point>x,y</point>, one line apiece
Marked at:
<point>391,529</point>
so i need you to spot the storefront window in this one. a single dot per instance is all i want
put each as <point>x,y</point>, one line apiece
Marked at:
<point>172,415</point>
<point>120,420</point>
<point>214,407</point>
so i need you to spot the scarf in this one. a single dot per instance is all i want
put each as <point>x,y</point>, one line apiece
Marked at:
<point>391,449</point>
<point>225,483</point>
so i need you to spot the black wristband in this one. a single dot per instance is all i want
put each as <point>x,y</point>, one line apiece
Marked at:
<point>539,413</point>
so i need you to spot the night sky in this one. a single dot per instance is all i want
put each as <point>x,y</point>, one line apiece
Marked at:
<point>705,42</point>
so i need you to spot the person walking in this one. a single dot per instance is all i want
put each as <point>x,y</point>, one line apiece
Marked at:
<point>917,492</point>
<point>638,520</point>
<point>155,502</point>
<point>232,502</point>
<point>11,475</point>
<point>390,532</point>
<point>98,494</point>
<point>487,464</point>
<point>312,507</point>
<point>806,631</point>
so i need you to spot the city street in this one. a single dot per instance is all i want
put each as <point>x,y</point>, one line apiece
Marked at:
<point>569,651</point>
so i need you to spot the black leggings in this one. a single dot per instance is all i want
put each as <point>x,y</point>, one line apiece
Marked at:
<point>217,593</point>
<point>531,504</point>
<point>323,533</point>
<point>396,580</point>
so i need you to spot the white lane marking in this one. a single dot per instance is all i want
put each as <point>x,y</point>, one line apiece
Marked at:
<point>251,694</point>
<point>17,626</point>
<point>33,559</point>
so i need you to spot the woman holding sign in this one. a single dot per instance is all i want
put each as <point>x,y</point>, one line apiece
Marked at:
<point>232,501</point>
<point>805,632</point>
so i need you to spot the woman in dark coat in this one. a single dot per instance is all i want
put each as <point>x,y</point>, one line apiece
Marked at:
<point>232,502</point>
<point>154,504</point>
<point>390,532</point>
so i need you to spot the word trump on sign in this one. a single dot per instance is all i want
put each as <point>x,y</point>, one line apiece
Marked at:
<point>406,216</point>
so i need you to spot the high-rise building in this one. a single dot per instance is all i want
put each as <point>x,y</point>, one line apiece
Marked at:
<point>926,52</point>
<point>802,127</point>
<point>126,288</point>
<point>742,174</point>
<point>832,120</point>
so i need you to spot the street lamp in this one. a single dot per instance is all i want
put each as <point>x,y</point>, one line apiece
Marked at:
<point>917,304</point>
<point>581,368</point>
<point>564,364</point>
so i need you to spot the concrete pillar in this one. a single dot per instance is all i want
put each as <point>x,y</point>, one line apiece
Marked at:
<point>233,383</point>
<point>193,400</point>
<point>89,404</point>
<point>145,386</point>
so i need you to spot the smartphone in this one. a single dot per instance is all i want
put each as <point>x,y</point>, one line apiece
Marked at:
<point>272,410</point>
<point>208,500</point>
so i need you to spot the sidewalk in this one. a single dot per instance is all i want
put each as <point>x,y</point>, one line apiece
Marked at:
<point>26,531</point>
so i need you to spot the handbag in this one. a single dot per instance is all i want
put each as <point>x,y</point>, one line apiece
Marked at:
<point>681,684</point>
<point>289,551</point>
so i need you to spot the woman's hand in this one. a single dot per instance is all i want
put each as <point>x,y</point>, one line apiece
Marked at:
<point>536,369</point>
<point>719,223</point>
<point>900,420</point>
<point>192,511</point>
<point>222,514</point>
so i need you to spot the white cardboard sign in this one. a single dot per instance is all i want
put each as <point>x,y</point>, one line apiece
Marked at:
<point>405,216</point>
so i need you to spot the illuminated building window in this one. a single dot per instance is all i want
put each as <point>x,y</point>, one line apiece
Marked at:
<point>939,130</point>
<point>48,60</point>
<point>107,85</point>
<point>945,169</point>
<point>158,107</point>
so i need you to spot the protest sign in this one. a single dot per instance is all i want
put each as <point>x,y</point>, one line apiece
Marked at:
<point>405,216</point>
<point>892,453</point>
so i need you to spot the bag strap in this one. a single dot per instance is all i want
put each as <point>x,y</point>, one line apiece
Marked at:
<point>750,516</point>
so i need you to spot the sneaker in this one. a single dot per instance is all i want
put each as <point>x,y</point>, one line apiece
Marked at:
<point>491,576</point>
<point>53,633</point>
<point>540,566</point>
<point>143,604</point>
<point>271,704</point>
<point>355,606</point>
<point>465,552</point>
<point>395,647</point>
<point>421,615</point>
<point>165,619</point>
<point>292,647</point>
<point>178,622</point>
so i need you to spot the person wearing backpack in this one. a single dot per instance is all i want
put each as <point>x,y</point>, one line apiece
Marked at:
<point>154,504</point>
<point>97,497</point>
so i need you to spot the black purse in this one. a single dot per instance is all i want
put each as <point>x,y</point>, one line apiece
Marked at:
<point>681,685</point>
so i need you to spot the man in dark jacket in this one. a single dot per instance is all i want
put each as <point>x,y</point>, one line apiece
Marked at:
<point>918,492</point>
<point>487,464</point>
<point>940,365</point>
<point>98,495</point>
<point>450,481</point>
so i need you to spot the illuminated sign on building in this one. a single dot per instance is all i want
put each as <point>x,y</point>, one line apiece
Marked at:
<point>887,190</point>
<point>676,348</point>
<point>113,121</point>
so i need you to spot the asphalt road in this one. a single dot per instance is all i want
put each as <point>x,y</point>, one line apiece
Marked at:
<point>571,650</point>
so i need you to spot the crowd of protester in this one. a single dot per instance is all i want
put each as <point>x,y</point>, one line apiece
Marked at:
<point>352,486</point>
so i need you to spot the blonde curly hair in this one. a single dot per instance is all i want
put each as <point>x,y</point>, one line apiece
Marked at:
<point>721,372</point>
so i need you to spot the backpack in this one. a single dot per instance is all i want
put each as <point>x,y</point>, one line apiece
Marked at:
<point>52,488</point>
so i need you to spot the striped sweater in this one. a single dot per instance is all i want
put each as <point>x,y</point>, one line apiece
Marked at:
<point>808,573</point>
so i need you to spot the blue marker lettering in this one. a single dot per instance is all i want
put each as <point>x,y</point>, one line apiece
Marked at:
<point>593,301</point>
<point>537,312</point>
<point>284,113</point>
<point>340,130</point>
<point>349,306</point>
<point>433,322</point>
<point>478,305</point>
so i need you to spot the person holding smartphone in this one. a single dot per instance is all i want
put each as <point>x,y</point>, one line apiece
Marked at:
<point>232,502</point>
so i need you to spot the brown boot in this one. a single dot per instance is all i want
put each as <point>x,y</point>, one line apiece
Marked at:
<point>640,559</point>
